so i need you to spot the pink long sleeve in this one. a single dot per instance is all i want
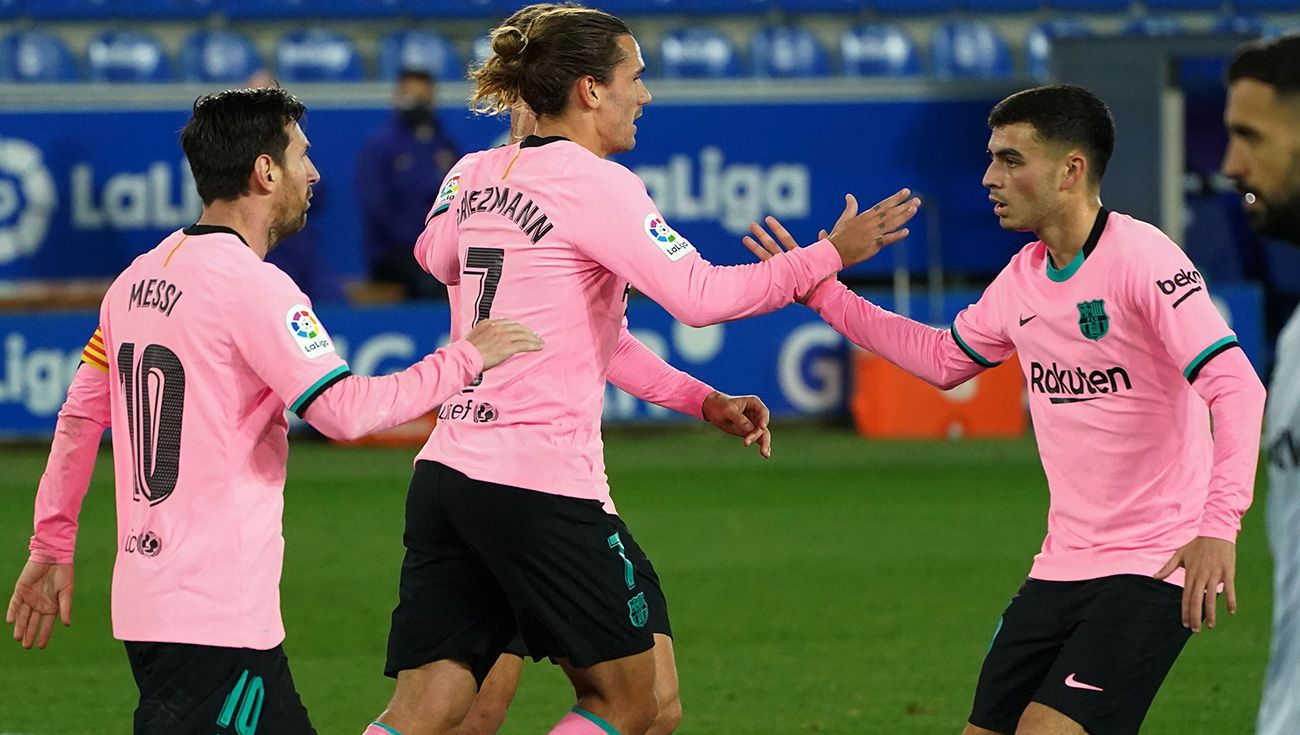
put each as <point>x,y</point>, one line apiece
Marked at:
<point>630,237</point>
<point>1235,395</point>
<point>637,370</point>
<point>928,353</point>
<point>355,406</point>
<point>82,420</point>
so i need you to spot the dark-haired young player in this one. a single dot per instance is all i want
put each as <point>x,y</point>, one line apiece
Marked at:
<point>1123,353</point>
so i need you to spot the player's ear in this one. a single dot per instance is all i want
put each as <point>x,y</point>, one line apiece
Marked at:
<point>587,93</point>
<point>1076,171</point>
<point>264,174</point>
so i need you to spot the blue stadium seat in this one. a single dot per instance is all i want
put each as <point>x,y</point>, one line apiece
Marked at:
<point>725,6</point>
<point>1266,6</point>
<point>218,56</point>
<point>879,50</point>
<point>821,6</point>
<point>359,8</point>
<point>1038,43</point>
<point>969,50</point>
<point>1242,25</point>
<point>698,53</point>
<point>913,7</point>
<point>67,9</point>
<point>1153,26</point>
<point>36,56</point>
<point>1092,6</point>
<point>277,9</point>
<point>164,9</point>
<point>317,55</point>
<point>641,7</point>
<point>112,9</point>
<point>486,9</point>
<point>127,56</point>
<point>1184,5</point>
<point>272,9</point>
<point>1000,6</point>
<point>424,50</point>
<point>787,51</point>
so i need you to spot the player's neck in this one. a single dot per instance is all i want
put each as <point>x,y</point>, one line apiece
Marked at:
<point>253,226</point>
<point>1067,233</point>
<point>580,130</point>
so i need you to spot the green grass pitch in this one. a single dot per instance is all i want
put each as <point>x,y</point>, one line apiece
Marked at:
<point>844,586</point>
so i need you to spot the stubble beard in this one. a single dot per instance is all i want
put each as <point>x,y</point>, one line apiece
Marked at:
<point>1280,219</point>
<point>284,228</point>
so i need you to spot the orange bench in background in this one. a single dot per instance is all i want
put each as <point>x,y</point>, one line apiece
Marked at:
<point>890,403</point>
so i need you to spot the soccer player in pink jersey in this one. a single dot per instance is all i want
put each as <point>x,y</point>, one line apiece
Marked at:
<point>510,527</point>
<point>1123,353</point>
<point>201,347</point>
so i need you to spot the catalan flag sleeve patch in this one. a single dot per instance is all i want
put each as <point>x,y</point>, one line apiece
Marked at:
<point>94,355</point>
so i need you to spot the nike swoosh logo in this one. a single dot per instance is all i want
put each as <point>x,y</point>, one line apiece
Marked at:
<point>1074,683</point>
<point>1025,320</point>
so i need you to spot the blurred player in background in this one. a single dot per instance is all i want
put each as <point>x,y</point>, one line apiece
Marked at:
<point>1123,351</point>
<point>510,528</point>
<point>201,347</point>
<point>399,168</point>
<point>1263,158</point>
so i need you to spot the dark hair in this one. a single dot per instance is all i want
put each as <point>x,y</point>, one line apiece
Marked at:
<point>411,73</point>
<point>1063,113</point>
<point>539,60</point>
<point>229,130</point>
<point>1275,62</point>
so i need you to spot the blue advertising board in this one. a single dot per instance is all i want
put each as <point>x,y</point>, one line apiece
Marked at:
<point>83,192</point>
<point>790,358</point>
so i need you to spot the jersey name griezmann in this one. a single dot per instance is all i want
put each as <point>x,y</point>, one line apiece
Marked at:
<point>512,205</point>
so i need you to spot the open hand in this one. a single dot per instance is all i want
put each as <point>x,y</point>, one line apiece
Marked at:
<point>859,237</point>
<point>767,246</point>
<point>42,592</point>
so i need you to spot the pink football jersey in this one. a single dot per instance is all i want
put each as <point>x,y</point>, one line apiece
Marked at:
<point>550,235</point>
<point>1109,346</point>
<point>206,346</point>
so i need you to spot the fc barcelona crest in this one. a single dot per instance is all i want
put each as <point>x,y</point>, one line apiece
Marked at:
<point>638,611</point>
<point>1093,321</point>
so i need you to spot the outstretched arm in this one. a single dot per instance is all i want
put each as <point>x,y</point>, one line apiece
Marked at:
<point>933,355</point>
<point>637,370</point>
<point>639,246</point>
<point>355,406</point>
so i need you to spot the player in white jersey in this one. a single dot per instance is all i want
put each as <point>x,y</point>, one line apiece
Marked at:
<point>1263,158</point>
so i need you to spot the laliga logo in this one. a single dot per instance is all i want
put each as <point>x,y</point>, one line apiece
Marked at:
<point>733,194</point>
<point>27,199</point>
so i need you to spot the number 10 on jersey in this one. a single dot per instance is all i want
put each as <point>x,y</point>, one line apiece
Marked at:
<point>154,389</point>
